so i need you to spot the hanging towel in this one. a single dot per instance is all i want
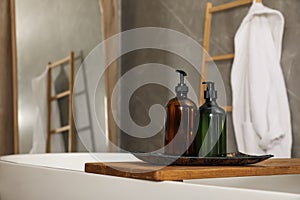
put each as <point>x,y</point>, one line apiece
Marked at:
<point>39,88</point>
<point>261,114</point>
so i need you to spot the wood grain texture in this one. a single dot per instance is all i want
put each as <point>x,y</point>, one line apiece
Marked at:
<point>59,62</point>
<point>111,25</point>
<point>221,57</point>
<point>71,138</point>
<point>140,170</point>
<point>206,46</point>
<point>6,83</point>
<point>210,9</point>
<point>61,95</point>
<point>14,75</point>
<point>230,5</point>
<point>61,129</point>
<point>49,94</point>
<point>50,98</point>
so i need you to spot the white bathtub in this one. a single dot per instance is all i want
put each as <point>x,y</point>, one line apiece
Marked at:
<point>62,176</point>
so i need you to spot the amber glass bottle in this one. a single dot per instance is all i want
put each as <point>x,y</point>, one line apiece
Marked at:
<point>180,122</point>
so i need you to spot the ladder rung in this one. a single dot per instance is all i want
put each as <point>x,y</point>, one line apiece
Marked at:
<point>62,129</point>
<point>228,108</point>
<point>221,57</point>
<point>58,63</point>
<point>61,95</point>
<point>230,5</point>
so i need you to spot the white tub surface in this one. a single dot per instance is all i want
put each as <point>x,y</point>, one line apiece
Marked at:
<point>62,176</point>
<point>70,161</point>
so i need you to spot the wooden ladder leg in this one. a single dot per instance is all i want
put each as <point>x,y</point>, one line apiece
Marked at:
<point>49,86</point>
<point>14,76</point>
<point>71,138</point>
<point>206,39</point>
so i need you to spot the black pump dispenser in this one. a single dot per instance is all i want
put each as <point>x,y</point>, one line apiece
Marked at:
<point>210,92</point>
<point>181,89</point>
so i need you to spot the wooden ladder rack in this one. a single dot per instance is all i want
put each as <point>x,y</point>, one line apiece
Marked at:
<point>50,98</point>
<point>210,9</point>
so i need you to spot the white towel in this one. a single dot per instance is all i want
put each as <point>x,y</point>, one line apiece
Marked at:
<point>261,114</point>
<point>39,88</point>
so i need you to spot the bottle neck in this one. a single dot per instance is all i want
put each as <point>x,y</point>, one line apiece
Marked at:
<point>181,95</point>
<point>211,101</point>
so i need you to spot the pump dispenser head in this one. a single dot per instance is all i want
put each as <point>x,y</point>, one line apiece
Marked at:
<point>210,92</point>
<point>181,89</point>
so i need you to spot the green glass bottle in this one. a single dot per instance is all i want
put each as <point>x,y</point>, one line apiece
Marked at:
<point>210,139</point>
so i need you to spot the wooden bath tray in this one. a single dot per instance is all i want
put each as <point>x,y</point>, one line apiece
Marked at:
<point>141,170</point>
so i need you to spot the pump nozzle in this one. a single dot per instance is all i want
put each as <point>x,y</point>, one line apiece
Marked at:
<point>210,92</point>
<point>182,75</point>
<point>181,89</point>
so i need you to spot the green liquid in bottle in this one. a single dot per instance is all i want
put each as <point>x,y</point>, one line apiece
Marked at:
<point>210,139</point>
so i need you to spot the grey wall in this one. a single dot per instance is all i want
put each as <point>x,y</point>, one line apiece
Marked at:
<point>188,18</point>
<point>47,30</point>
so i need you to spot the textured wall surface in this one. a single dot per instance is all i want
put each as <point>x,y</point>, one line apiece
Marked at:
<point>188,18</point>
<point>48,30</point>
